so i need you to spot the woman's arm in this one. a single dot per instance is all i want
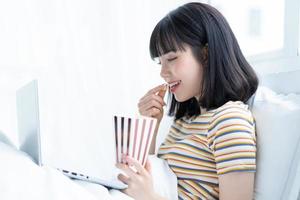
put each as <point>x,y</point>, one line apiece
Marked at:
<point>233,142</point>
<point>236,186</point>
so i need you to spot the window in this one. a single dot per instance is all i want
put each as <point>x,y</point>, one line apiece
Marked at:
<point>267,31</point>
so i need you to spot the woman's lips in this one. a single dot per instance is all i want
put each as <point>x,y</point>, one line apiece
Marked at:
<point>174,85</point>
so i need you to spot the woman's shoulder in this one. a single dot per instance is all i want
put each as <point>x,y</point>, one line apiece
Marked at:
<point>232,109</point>
<point>232,106</point>
<point>234,117</point>
<point>227,110</point>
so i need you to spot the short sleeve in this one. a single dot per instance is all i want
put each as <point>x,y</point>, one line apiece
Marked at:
<point>231,138</point>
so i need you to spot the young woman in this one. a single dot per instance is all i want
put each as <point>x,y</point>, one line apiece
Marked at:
<point>211,146</point>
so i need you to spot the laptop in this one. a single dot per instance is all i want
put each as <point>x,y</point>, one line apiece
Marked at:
<point>72,156</point>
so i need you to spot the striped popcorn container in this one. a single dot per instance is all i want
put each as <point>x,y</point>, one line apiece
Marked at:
<point>133,136</point>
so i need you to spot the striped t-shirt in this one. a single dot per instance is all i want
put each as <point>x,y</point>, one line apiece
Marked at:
<point>216,142</point>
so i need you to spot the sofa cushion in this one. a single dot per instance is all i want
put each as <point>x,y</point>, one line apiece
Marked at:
<point>283,82</point>
<point>278,124</point>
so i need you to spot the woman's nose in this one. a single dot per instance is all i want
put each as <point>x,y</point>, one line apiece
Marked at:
<point>164,73</point>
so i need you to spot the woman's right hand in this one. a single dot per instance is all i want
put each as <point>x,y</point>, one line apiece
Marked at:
<point>152,103</point>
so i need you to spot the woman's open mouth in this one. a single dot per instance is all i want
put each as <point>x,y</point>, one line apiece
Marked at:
<point>174,85</point>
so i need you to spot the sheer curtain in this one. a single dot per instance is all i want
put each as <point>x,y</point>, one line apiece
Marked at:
<point>91,58</point>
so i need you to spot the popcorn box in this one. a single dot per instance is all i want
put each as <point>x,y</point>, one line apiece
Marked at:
<point>133,136</point>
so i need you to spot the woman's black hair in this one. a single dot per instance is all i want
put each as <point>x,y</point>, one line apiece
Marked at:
<point>227,76</point>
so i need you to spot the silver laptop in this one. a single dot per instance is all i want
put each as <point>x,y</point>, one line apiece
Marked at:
<point>74,162</point>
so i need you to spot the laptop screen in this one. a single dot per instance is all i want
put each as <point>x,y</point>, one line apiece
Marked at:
<point>28,120</point>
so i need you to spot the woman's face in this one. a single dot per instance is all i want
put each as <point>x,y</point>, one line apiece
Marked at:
<point>183,73</point>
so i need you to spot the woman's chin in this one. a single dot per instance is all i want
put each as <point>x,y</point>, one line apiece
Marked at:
<point>181,99</point>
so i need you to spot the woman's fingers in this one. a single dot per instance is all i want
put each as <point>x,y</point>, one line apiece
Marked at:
<point>162,92</point>
<point>157,89</point>
<point>148,166</point>
<point>127,167</point>
<point>132,162</point>
<point>150,97</point>
<point>128,171</point>
<point>124,179</point>
<point>152,112</point>
<point>152,103</point>
<point>149,104</point>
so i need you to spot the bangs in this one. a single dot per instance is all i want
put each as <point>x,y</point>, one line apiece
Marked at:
<point>165,38</point>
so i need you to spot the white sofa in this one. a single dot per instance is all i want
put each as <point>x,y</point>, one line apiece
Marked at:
<point>277,112</point>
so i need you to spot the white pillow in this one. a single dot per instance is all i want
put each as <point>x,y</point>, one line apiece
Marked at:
<point>278,137</point>
<point>164,179</point>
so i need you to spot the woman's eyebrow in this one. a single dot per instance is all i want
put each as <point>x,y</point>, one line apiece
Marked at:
<point>169,54</point>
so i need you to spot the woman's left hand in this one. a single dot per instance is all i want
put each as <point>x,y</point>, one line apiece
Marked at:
<point>140,184</point>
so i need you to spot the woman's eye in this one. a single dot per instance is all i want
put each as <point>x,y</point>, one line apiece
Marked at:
<point>171,59</point>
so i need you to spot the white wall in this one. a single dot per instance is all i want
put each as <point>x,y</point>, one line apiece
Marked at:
<point>91,56</point>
